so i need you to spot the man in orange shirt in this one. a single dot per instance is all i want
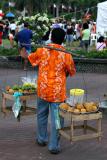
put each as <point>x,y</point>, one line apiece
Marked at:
<point>53,66</point>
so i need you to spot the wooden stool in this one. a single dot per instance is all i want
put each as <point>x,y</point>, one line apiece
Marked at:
<point>85,118</point>
<point>25,109</point>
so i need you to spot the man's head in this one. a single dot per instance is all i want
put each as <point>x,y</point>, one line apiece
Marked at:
<point>101,39</point>
<point>58,35</point>
<point>85,26</point>
<point>26,24</point>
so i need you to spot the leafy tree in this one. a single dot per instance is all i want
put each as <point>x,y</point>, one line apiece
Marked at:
<point>43,5</point>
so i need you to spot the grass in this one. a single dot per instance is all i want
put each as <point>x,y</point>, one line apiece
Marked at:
<point>6,43</point>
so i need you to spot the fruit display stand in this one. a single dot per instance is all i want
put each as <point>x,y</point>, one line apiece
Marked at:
<point>68,132</point>
<point>24,98</point>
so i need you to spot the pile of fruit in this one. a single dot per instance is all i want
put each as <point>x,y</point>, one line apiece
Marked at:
<point>87,107</point>
<point>26,88</point>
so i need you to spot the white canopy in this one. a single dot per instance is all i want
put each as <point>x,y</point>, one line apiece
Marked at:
<point>101,25</point>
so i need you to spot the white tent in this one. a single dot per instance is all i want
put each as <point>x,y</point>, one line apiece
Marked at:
<point>101,25</point>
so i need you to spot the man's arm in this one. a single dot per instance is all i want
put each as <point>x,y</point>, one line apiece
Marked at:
<point>34,57</point>
<point>69,65</point>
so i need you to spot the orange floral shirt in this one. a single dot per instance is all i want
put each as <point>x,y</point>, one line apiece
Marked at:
<point>53,66</point>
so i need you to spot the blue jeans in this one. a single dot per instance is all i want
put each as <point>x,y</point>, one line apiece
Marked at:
<point>43,108</point>
<point>69,38</point>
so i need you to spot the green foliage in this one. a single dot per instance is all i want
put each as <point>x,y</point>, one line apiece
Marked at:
<point>39,24</point>
<point>90,54</point>
<point>16,87</point>
<point>28,87</point>
<point>25,87</point>
<point>13,51</point>
<point>93,54</point>
<point>43,5</point>
<point>34,48</point>
<point>68,16</point>
<point>8,52</point>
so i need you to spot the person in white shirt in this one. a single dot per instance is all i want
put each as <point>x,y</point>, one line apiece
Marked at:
<point>12,27</point>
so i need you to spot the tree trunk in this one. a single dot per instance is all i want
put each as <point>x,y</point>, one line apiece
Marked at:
<point>30,8</point>
<point>57,10</point>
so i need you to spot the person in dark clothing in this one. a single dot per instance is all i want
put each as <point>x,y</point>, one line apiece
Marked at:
<point>1,31</point>
<point>6,31</point>
<point>24,40</point>
<point>69,34</point>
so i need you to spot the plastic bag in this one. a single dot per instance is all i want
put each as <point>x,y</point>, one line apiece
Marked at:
<point>17,104</point>
<point>30,80</point>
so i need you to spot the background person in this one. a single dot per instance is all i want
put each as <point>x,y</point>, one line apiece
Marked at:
<point>69,34</point>
<point>93,29</point>
<point>53,66</point>
<point>56,24</point>
<point>85,34</point>
<point>2,26</point>
<point>101,45</point>
<point>24,39</point>
<point>11,39</point>
<point>12,27</point>
<point>6,29</point>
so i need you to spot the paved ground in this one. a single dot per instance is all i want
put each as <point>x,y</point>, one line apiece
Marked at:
<point>17,139</point>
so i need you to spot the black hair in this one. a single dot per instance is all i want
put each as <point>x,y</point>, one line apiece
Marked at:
<point>26,24</point>
<point>101,39</point>
<point>2,22</point>
<point>85,26</point>
<point>58,35</point>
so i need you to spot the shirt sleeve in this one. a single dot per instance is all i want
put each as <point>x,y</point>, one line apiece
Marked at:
<point>69,65</point>
<point>34,58</point>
